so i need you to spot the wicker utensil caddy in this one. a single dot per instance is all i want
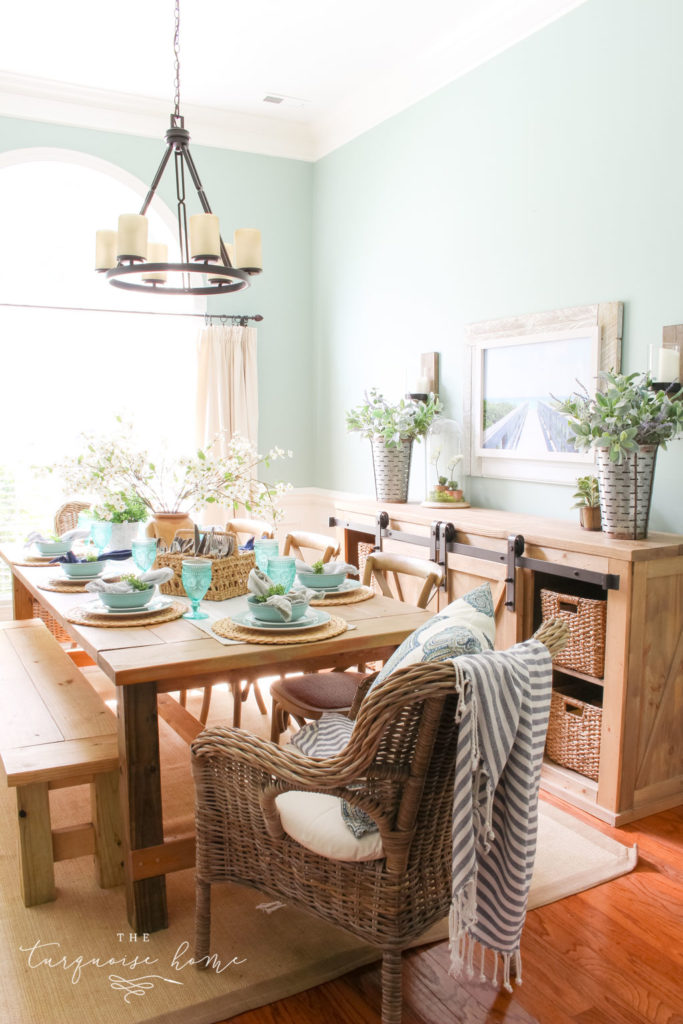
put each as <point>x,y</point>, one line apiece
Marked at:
<point>574,728</point>
<point>586,618</point>
<point>228,575</point>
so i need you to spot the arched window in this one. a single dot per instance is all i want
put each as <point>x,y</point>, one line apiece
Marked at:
<point>76,353</point>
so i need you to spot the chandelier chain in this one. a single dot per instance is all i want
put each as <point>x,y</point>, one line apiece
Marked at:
<point>176,61</point>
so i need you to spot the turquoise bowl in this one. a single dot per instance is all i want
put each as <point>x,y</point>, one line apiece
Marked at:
<point>136,599</point>
<point>321,580</point>
<point>82,570</point>
<point>268,613</point>
<point>53,547</point>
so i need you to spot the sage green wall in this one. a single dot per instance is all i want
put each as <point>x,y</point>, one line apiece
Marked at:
<point>275,195</point>
<point>548,177</point>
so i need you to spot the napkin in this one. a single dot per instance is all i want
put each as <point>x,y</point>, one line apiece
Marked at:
<point>328,568</point>
<point>259,584</point>
<point>114,556</point>
<point>155,577</point>
<point>68,537</point>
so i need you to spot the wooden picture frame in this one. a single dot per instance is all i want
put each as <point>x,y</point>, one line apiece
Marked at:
<point>515,365</point>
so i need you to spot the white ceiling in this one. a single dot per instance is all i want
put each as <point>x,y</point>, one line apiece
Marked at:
<point>342,66</point>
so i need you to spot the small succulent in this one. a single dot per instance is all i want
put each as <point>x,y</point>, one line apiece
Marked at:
<point>135,581</point>
<point>277,590</point>
<point>317,567</point>
<point>587,492</point>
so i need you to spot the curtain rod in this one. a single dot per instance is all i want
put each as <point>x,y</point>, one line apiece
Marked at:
<point>207,317</point>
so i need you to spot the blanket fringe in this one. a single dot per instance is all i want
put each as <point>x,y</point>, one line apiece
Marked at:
<point>462,950</point>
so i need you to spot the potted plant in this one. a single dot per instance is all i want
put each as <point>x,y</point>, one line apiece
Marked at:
<point>625,424</point>
<point>587,494</point>
<point>125,511</point>
<point>391,429</point>
<point>171,487</point>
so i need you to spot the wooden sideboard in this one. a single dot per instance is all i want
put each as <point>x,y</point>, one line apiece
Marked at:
<point>641,752</point>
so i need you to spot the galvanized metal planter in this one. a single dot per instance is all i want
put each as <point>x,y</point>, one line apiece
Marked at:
<point>392,469</point>
<point>626,492</point>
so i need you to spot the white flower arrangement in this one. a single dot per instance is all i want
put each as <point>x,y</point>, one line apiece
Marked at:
<point>112,467</point>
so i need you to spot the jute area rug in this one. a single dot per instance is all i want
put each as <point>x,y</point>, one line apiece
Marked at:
<point>75,960</point>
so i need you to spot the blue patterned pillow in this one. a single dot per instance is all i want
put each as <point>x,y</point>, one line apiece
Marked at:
<point>465,626</point>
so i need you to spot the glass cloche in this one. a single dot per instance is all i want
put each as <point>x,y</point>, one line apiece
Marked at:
<point>444,464</point>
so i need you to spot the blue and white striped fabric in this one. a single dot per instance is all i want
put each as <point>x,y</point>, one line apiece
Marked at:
<point>503,715</point>
<point>324,737</point>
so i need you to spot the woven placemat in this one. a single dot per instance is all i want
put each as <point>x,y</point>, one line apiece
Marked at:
<point>104,621</point>
<point>63,587</point>
<point>352,597</point>
<point>231,631</point>
<point>34,562</point>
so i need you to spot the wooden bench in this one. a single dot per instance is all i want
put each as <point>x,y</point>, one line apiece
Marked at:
<point>55,731</point>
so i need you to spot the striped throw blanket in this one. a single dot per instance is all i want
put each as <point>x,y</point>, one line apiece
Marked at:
<point>503,717</point>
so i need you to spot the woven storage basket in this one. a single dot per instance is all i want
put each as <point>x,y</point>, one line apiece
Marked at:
<point>55,627</point>
<point>586,618</point>
<point>228,575</point>
<point>574,726</point>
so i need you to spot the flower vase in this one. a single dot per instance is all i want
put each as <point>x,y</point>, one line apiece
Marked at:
<point>164,525</point>
<point>392,469</point>
<point>626,491</point>
<point>123,535</point>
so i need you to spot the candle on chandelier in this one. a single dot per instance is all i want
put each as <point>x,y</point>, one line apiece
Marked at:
<point>132,236</point>
<point>205,238</point>
<point>157,252</point>
<point>248,249</point>
<point>105,250</point>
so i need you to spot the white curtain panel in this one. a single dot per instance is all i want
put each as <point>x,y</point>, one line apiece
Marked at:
<point>227,391</point>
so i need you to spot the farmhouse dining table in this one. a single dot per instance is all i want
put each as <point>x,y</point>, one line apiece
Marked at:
<point>144,662</point>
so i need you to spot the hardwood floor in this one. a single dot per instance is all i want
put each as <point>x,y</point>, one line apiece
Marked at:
<point>611,955</point>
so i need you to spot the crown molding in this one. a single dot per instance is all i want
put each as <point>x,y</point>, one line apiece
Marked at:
<point>500,26</point>
<point>39,99</point>
<point>505,26</point>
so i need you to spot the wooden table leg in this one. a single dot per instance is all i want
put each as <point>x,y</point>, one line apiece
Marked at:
<point>141,801</point>
<point>22,600</point>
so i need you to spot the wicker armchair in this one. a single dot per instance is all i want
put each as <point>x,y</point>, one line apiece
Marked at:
<point>66,516</point>
<point>402,753</point>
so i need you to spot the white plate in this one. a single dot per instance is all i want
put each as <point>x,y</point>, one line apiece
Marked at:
<point>155,605</point>
<point>345,588</point>
<point>78,580</point>
<point>310,620</point>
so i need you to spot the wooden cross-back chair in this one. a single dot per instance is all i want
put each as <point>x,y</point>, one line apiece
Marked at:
<point>296,540</point>
<point>308,696</point>
<point>245,528</point>
<point>399,766</point>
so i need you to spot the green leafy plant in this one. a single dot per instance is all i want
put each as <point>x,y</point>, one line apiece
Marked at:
<point>628,413</point>
<point>277,590</point>
<point>135,581</point>
<point>587,492</point>
<point>124,507</point>
<point>317,567</point>
<point>452,485</point>
<point>92,556</point>
<point>405,420</point>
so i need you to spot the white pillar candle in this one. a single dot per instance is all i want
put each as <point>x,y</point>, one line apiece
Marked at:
<point>421,386</point>
<point>157,252</point>
<point>105,250</point>
<point>230,249</point>
<point>205,241</point>
<point>132,236</point>
<point>248,248</point>
<point>668,365</point>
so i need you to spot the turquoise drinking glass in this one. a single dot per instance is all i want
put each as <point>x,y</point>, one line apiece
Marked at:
<point>144,552</point>
<point>263,550</point>
<point>196,576</point>
<point>100,534</point>
<point>282,569</point>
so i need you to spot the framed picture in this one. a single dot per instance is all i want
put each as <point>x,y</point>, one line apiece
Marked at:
<point>517,367</point>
